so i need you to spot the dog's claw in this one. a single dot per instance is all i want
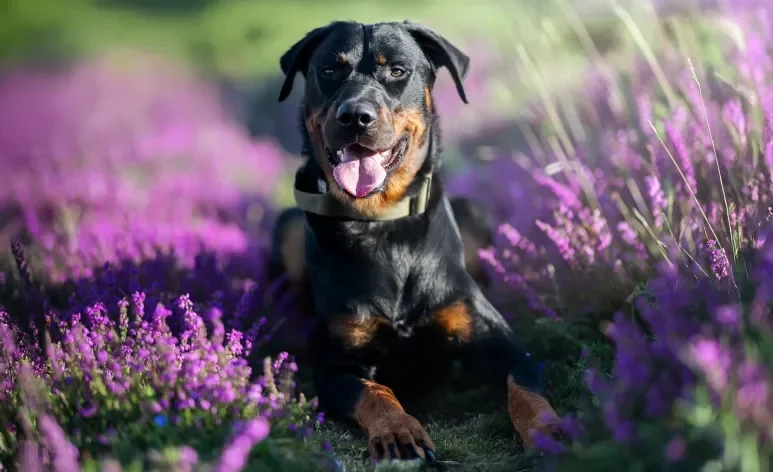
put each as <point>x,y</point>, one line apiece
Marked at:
<point>430,455</point>
<point>395,454</point>
<point>414,453</point>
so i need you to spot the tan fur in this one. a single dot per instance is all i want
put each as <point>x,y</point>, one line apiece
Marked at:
<point>529,412</point>
<point>408,120</point>
<point>314,128</point>
<point>355,331</point>
<point>381,60</point>
<point>427,98</point>
<point>412,122</point>
<point>455,321</point>
<point>384,420</point>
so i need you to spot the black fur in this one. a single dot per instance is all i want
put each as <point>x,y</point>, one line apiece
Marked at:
<point>404,270</point>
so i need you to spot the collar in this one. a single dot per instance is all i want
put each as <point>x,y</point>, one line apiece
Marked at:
<point>325,204</point>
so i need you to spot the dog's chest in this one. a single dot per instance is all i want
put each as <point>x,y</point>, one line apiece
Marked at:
<point>382,269</point>
<point>372,336</point>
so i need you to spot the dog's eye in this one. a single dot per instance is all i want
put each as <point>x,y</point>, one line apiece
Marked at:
<point>397,72</point>
<point>328,72</point>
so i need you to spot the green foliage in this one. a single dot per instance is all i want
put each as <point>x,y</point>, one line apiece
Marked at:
<point>241,38</point>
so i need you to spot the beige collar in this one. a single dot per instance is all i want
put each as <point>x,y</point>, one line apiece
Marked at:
<point>325,204</point>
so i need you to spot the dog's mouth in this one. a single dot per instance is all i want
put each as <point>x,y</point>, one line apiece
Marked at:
<point>362,171</point>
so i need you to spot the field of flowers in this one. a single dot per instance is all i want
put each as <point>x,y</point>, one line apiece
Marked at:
<point>633,252</point>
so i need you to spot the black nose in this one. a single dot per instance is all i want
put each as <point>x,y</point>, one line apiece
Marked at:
<point>356,114</point>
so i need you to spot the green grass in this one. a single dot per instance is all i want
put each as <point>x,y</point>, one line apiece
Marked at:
<point>470,428</point>
<point>475,440</point>
<point>469,424</point>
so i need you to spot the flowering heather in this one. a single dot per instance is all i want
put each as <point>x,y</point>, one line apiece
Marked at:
<point>691,379</point>
<point>657,176</point>
<point>127,368</point>
<point>662,206</point>
<point>134,318</point>
<point>119,157</point>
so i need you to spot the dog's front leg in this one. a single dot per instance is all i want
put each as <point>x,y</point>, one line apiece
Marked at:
<point>343,378</point>
<point>392,433</point>
<point>493,352</point>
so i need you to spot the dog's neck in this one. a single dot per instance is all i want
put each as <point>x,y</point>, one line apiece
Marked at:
<point>322,202</point>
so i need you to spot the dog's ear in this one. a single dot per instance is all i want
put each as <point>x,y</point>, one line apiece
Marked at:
<point>441,53</point>
<point>297,57</point>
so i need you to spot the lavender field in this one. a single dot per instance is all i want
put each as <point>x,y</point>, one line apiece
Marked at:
<point>632,192</point>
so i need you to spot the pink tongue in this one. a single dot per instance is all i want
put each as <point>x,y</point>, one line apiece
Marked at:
<point>360,174</point>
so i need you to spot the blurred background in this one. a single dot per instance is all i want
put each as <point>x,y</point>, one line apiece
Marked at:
<point>115,57</point>
<point>128,123</point>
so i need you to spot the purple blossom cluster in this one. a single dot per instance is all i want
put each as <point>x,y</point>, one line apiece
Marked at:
<point>661,172</point>
<point>691,374</point>
<point>655,223</point>
<point>118,365</point>
<point>120,157</point>
<point>135,320</point>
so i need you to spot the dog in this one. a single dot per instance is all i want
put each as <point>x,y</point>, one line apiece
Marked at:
<point>377,245</point>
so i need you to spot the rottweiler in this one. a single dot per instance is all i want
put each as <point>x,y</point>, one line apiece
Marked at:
<point>377,243</point>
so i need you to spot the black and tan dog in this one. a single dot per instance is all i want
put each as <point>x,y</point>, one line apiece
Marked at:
<point>382,253</point>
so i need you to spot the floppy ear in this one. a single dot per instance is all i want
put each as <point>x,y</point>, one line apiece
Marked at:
<point>441,53</point>
<point>297,57</point>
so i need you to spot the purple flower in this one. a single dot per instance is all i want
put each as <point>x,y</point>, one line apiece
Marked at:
<point>675,449</point>
<point>713,360</point>
<point>235,455</point>
<point>547,444</point>
<point>65,454</point>
<point>720,266</point>
<point>184,372</point>
<point>29,457</point>
<point>162,160</point>
<point>88,411</point>
<point>728,316</point>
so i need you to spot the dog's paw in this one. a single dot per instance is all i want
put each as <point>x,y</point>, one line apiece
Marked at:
<point>532,415</point>
<point>400,436</point>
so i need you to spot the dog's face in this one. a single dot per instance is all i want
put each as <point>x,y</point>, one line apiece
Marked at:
<point>368,104</point>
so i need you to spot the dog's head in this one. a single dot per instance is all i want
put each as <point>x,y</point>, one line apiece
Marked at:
<point>368,104</point>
